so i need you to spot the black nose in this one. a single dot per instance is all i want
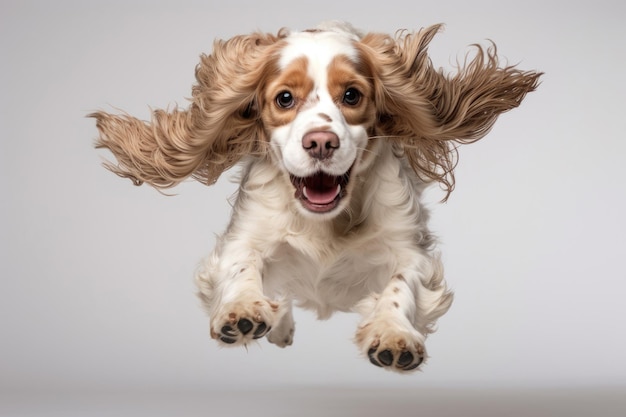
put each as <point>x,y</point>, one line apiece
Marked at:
<point>320,145</point>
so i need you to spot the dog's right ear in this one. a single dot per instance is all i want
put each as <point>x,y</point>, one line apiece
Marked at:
<point>221,126</point>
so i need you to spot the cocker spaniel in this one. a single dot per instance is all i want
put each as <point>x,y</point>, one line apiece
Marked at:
<point>338,132</point>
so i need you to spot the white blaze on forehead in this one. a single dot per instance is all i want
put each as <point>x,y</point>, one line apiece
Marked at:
<point>319,108</point>
<point>319,47</point>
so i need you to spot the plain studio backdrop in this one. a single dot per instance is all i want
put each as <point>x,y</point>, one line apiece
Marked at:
<point>98,313</point>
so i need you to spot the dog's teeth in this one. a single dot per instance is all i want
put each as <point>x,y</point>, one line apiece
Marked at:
<point>304,193</point>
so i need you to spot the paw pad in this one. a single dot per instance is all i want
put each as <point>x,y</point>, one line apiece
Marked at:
<point>403,360</point>
<point>236,331</point>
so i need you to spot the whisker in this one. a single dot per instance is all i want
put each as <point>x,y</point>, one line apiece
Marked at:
<point>366,150</point>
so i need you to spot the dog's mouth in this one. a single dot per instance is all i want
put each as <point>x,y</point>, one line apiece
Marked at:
<point>321,192</point>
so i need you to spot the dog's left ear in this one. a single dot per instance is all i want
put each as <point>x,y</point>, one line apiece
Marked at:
<point>427,111</point>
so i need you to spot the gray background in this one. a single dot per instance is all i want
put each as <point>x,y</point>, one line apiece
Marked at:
<point>97,308</point>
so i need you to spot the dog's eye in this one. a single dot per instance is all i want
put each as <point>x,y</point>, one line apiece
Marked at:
<point>285,100</point>
<point>352,96</point>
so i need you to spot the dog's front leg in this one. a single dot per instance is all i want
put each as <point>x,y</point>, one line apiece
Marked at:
<point>397,321</point>
<point>231,289</point>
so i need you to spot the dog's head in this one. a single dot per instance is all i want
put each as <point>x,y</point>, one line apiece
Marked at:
<point>315,102</point>
<point>318,110</point>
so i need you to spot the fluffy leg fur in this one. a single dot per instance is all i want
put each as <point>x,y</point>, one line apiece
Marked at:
<point>231,290</point>
<point>397,321</point>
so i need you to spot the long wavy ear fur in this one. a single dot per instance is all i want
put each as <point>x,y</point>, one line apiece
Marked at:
<point>220,127</point>
<point>428,112</point>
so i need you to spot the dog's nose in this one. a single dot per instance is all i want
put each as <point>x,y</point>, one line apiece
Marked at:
<point>320,145</point>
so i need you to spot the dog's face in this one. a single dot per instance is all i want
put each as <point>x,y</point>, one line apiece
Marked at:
<point>318,110</point>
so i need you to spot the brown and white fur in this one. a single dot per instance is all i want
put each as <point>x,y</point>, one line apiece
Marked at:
<point>339,132</point>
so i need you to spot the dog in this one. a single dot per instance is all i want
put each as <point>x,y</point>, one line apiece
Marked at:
<point>338,133</point>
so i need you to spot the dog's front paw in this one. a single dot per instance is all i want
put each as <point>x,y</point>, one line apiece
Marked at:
<point>240,322</point>
<point>388,345</point>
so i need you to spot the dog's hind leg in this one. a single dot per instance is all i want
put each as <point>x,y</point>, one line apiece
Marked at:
<point>282,333</point>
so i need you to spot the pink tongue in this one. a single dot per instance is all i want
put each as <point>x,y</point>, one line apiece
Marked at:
<point>321,196</point>
<point>321,189</point>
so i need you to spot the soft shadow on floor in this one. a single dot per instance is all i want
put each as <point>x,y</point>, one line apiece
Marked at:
<point>322,402</point>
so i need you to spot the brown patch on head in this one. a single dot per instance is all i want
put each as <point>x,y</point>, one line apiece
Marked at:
<point>345,76</point>
<point>326,117</point>
<point>293,80</point>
